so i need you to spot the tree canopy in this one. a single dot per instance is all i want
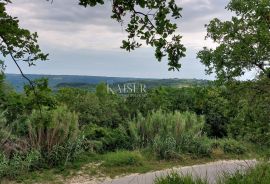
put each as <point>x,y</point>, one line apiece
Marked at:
<point>243,42</point>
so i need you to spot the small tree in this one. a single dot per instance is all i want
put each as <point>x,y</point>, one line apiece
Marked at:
<point>243,42</point>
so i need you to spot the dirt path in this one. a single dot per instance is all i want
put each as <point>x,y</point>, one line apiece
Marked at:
<point>211,171</point>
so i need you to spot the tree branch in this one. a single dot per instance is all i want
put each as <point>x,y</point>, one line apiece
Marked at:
<point>24,76</point>
<point>16,63</point>
<point>145,15</point>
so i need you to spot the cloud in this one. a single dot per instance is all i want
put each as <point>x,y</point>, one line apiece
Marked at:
<point>88,35</point>
<point>66,24</point>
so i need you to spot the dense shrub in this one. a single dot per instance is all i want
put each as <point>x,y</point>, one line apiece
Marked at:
<point>11,144</point>
<point>250,112</point>
<point>169,134</point>
<point>198,146</point>
<point>170,122</point>
<point>19,164</point>
<point>62,154</point>
<point>102,139</point>
<point>50,127</point>
<point>232,146</point>
<point>165,147</point>
<point>98,108</point>
<point>163,124</point>
<point>86,104</point>
<point>55,133</point>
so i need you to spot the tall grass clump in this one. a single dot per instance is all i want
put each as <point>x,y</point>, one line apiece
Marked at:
<point>169,134</point>
<point>54,132</point>
<point>51,127</point>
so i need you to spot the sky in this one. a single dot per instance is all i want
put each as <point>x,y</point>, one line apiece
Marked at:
<point>86,41</point>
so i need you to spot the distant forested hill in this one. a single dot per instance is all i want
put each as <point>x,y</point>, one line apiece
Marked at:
<point>17,81</point>
<point>90,82</point>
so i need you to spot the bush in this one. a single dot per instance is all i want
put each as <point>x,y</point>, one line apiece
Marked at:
<point>123,158</point>
<point>165,148</point>
<point>102,139</point>
<point>169,134</point>
<point>197,146</point>
<point>98,108</point>
<point>60,155</point>
<point>49,128</point>
<point>54,132</point>
<point>175,178</point>
<point>163,124</point>
<point>230,146</point>
<point>19,164</point>
<point>9,143</point>
<point>250,106</point>
<point>86,104</point>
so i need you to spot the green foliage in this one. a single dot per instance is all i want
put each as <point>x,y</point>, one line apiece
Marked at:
<point>210,101</point>
<point>197,146</point>
<point>158,99</point>
<point>168,122</point>
<point>169,134</point>
<point>14,104</point>
<point>101,109</point>
<point>122,158</point>
<point>163,124</point>
<point>48,128</point>
<point>215,107</point>
<point>84,103</point>
<point>175,178</point>
<point>64,153</point>
<point>250,112</point>
<point>243,42</point>
<point>18,164</point>
<point>259,174</point>
<point>19,43</point>
<point>165,148</point>
<point>40,95</point>
<point>230,146</point>
<point>102,139</point>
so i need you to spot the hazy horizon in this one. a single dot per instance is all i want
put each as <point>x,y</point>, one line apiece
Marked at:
<point>99,76</point>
